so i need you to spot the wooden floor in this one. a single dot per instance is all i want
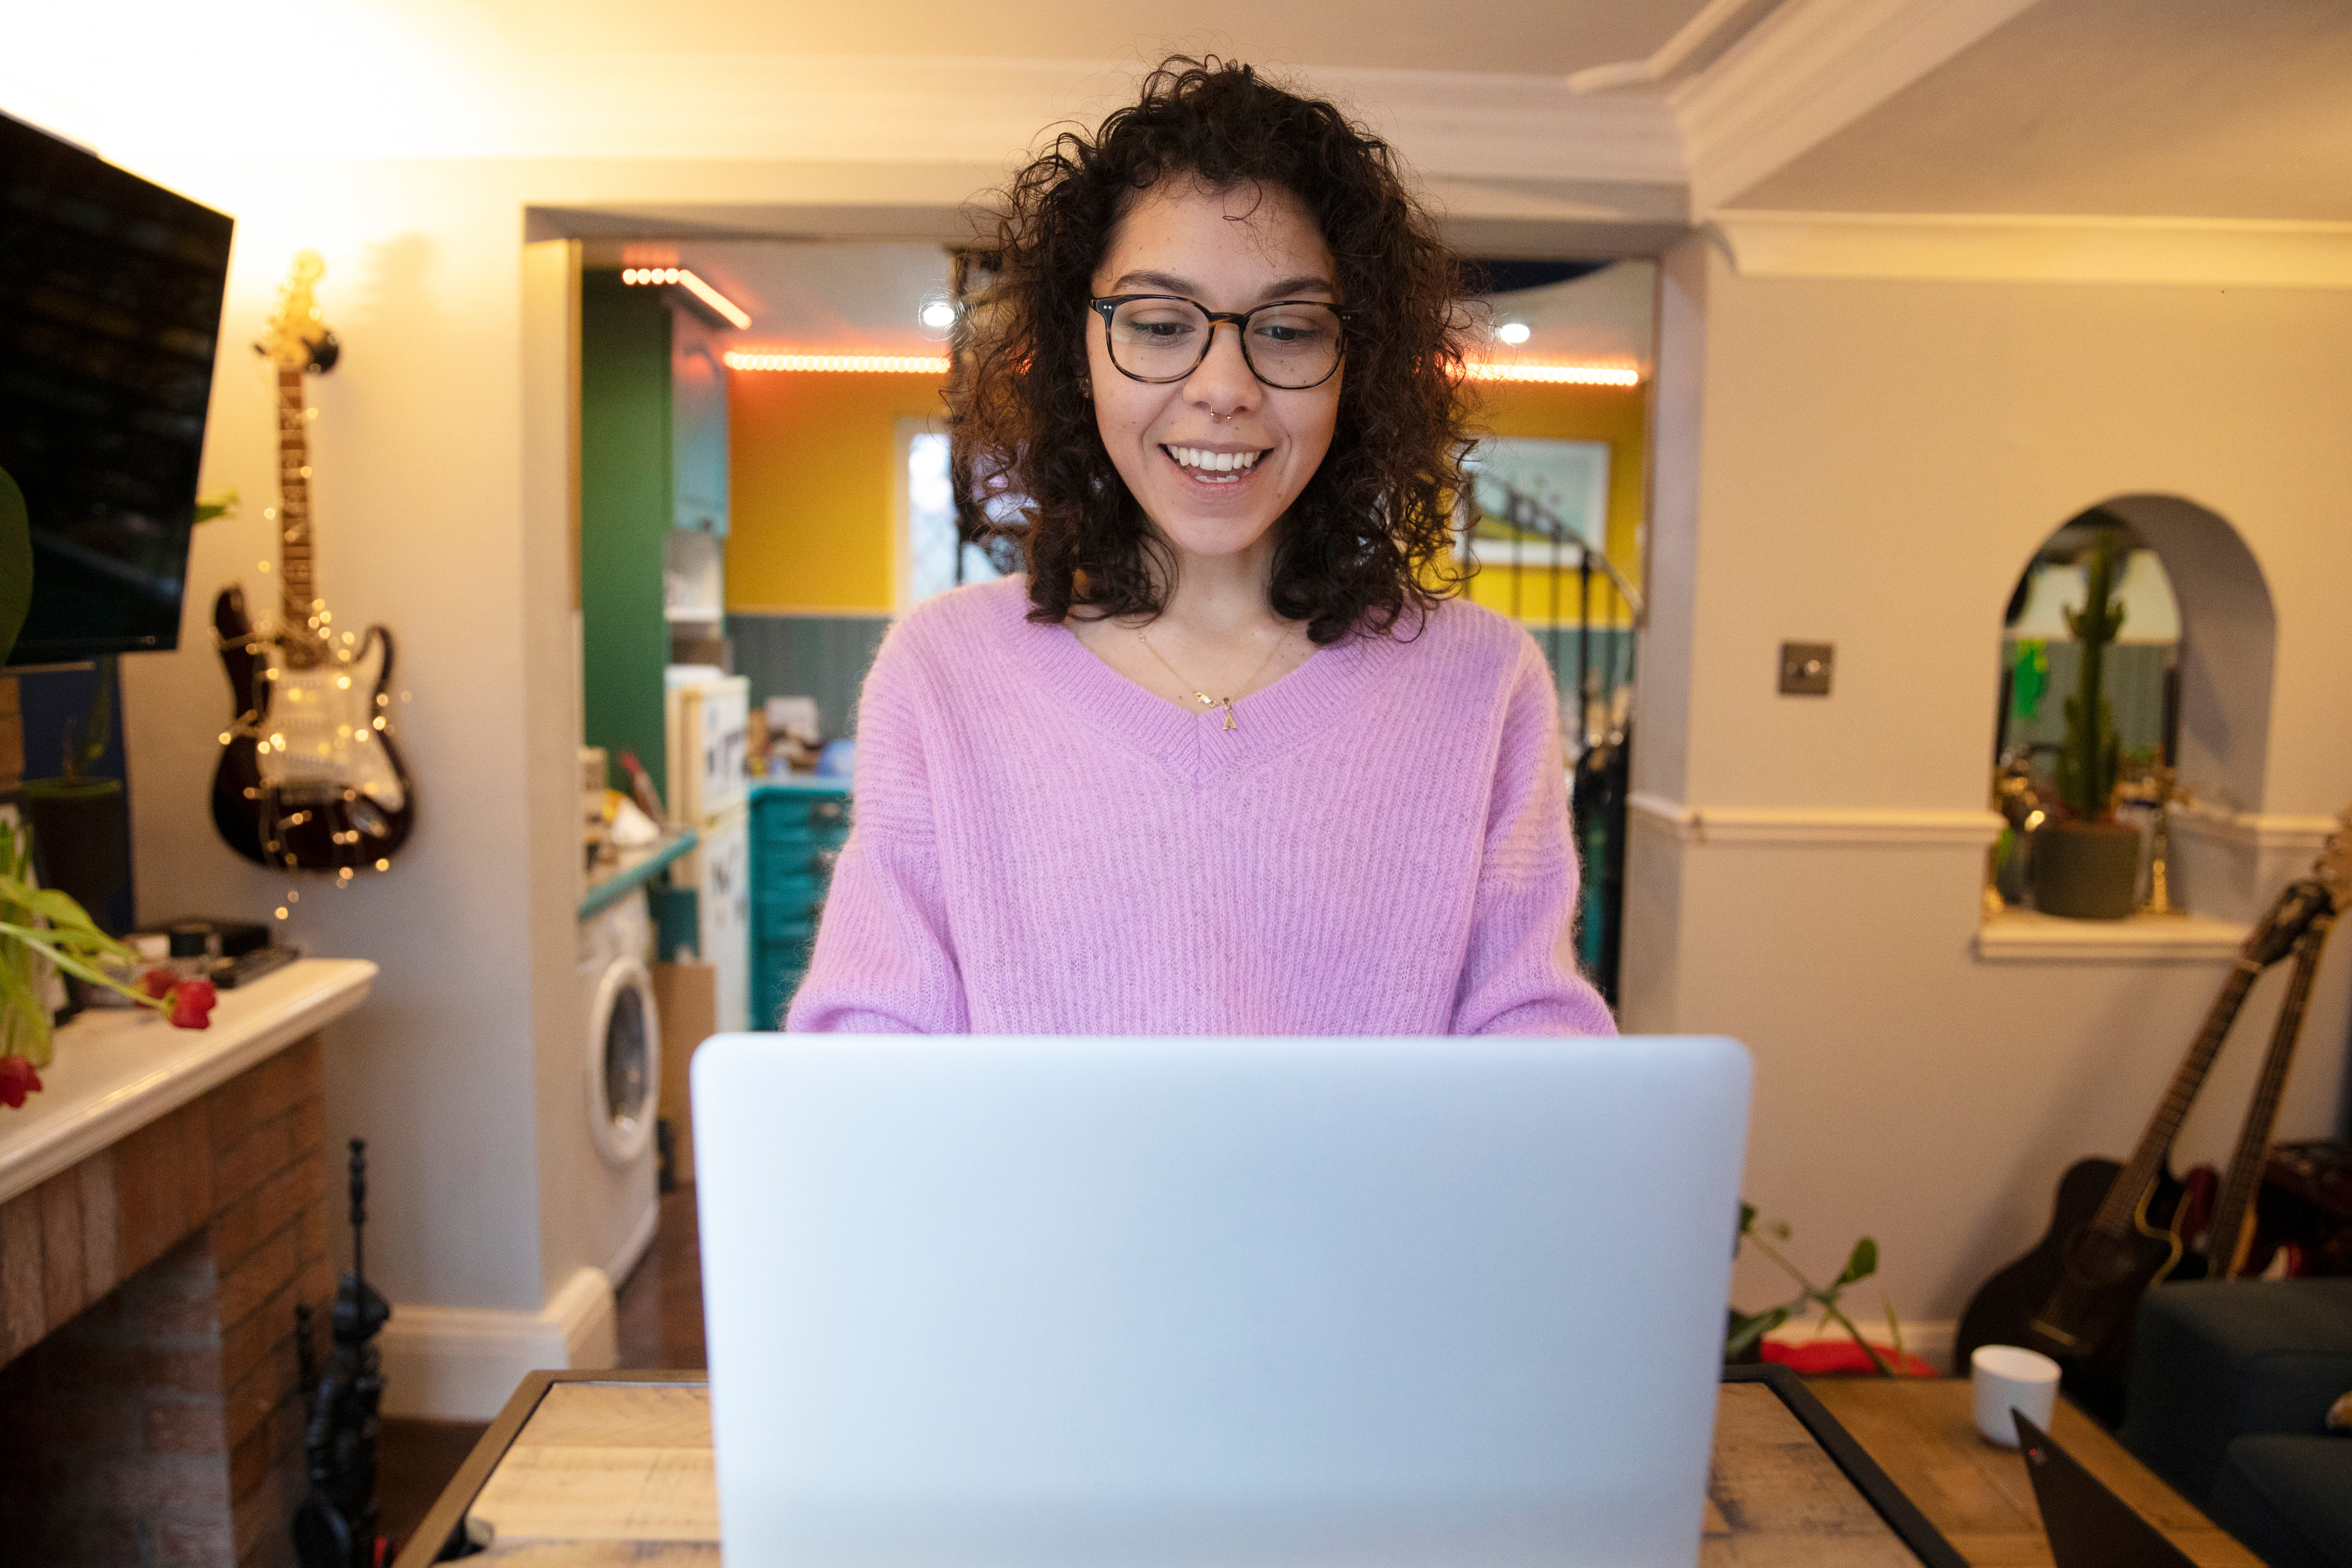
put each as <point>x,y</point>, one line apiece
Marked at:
<point>659,1311</point>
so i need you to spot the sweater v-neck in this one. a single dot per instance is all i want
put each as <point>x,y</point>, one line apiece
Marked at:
<point>1196,746</point>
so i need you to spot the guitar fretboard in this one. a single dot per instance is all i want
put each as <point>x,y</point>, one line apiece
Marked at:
<point>2114,1216</point>
<point>296,597</point>
<point>2233,1210</point>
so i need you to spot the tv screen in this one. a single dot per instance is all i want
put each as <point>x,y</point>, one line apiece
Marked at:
<point>110,314</point>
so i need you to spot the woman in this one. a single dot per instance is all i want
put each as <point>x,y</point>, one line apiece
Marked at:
<point>1229,758</point>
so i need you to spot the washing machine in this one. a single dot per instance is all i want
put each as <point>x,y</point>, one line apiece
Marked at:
<point>622,1071</point>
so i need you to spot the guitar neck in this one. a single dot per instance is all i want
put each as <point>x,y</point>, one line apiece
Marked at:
<point>2114,1216</point>
<point>297,597</point>
<point>2234,1211</point>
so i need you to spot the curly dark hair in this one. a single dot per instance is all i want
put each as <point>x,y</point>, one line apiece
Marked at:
<point>1364,546</point>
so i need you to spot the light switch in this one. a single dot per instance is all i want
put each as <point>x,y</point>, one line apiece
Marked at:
<point>1805,669</point>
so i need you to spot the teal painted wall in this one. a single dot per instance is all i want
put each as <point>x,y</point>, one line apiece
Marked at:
<point>824,656</point>
<point>624,516</point>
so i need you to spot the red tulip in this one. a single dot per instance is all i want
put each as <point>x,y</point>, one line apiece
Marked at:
<point>17,1079</point>
<point>158,983</point>
<point>191,1002</point>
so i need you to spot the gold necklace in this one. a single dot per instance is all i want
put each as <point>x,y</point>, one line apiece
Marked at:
<point>1205,701</point>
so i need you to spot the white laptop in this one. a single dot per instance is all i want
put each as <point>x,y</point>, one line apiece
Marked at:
<point>1112,1303</point>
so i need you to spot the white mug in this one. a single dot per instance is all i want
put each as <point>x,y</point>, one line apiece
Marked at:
<point>2006,1378</point>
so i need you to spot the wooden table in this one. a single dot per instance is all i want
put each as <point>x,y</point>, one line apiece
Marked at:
<point>1923,1433</point>
<point>586,1468</point>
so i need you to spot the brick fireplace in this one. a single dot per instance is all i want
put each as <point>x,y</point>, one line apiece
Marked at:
<point>150,1413</point>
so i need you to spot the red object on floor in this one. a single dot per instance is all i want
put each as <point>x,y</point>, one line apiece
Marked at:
<point>1835,1358</point>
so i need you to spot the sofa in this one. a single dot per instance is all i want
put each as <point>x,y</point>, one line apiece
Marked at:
<point>2230,1389</point>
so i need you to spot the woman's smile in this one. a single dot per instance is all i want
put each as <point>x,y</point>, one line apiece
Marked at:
<point>1223,467</point>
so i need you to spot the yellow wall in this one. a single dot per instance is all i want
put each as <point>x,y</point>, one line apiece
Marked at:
<point>812,514</point>
<point>1615,414</point>
<point>813,508</point>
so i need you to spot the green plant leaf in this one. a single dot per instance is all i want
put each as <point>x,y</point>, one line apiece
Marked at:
<point>1752,1327</point>
<point>64,915</point>
<point>26,1021</point>
<point>1860,1265</point>
<point>15,563</point>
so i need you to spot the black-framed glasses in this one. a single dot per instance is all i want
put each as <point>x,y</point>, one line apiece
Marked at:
<point>1157,338</point>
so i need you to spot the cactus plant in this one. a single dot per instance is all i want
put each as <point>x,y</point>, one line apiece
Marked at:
<point>2088,762</point>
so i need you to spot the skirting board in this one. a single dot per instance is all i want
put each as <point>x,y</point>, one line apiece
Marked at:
<point>460,1364</point>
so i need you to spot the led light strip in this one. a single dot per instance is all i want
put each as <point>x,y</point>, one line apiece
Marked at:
<point>692,284</point>
<point>1553,375</point>
<point>889,364</point>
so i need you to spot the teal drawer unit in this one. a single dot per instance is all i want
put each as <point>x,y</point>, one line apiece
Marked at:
<point>797,830</point>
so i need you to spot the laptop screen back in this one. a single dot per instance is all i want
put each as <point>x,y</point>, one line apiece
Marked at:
<point>1058,1301</point>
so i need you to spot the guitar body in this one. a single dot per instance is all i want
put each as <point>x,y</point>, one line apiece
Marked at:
<point>2095,1281</point>
<point>309,778</point>
<point>237,778</point>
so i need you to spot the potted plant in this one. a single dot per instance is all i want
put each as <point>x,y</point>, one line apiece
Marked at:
<point>2086,863</point>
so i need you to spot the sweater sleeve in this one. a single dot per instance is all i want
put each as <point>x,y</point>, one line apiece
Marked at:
<point>1519,974</point>
<point>884,962</point>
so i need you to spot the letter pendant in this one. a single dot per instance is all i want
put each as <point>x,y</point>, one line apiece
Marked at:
<point>1229,714</point>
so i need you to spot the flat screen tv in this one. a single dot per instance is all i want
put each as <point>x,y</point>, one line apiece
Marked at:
<point>110,315</point>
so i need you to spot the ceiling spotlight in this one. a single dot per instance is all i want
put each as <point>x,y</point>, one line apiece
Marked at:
<point>938,313</point>
<point>1514,332</point>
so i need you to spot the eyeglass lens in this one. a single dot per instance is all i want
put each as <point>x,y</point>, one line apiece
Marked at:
<point>1289,346</point>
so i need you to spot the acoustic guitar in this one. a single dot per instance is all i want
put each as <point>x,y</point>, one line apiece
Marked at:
<point>2230,1244</point>
<point>2117,1229</point>
<point>309,777</point>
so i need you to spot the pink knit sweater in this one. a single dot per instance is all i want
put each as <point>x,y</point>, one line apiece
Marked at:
<point>1042,846</point>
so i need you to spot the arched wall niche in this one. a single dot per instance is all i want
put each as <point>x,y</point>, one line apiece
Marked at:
<point>2223,659</point>
<point>2229,640</point>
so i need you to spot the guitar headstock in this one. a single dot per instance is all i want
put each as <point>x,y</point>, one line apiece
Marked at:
<point>2333,869</point>
<point>296,337</point>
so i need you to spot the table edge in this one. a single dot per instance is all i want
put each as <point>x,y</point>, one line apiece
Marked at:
<point>423,1549</point>
<point>1903,1515</point>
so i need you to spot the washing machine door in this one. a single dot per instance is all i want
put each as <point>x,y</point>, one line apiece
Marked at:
<point>623,1063</point>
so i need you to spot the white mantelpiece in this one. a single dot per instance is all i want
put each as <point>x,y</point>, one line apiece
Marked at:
<point>116,1071</point>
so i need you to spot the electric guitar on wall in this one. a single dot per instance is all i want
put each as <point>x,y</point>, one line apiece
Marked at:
<point>309,777</point>
<point>2119,1229</point>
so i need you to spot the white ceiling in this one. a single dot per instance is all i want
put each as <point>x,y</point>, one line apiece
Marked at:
<point>2156,108</point>
<point>2203,109</point>
<point>1536,37</point>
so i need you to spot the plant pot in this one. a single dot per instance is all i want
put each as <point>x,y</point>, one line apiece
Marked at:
<point>2086,870</point>
<point>80,839</point>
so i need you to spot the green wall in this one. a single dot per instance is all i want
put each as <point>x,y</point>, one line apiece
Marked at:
<point>624,516</point>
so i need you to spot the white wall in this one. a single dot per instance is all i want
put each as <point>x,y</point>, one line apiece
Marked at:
<point>442,493</point>
<point>420,519</point>
<point>1872,464</point>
